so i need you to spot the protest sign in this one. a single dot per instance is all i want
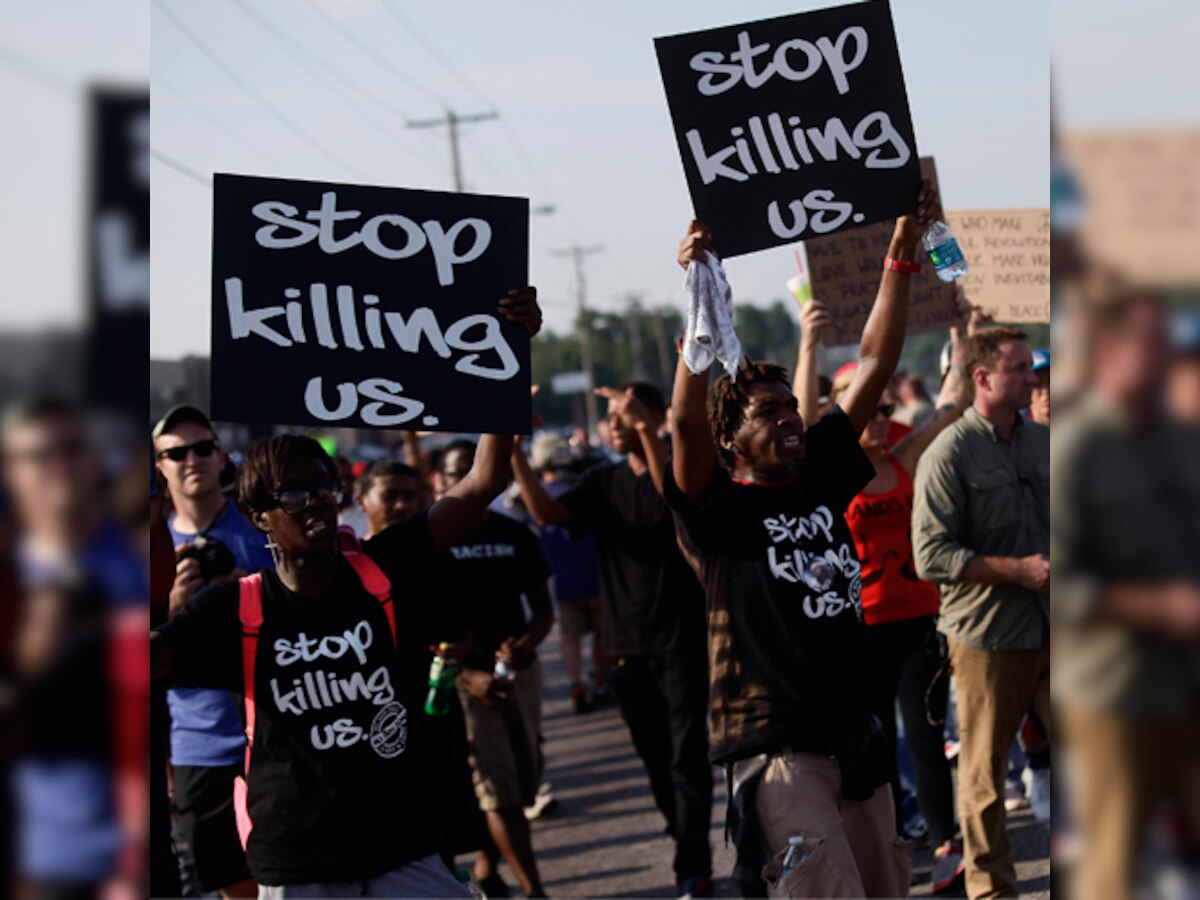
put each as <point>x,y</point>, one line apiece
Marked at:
<point>846,269</point>
<point>792,127</point>
<point>118,248</point>
<point>1008,261</point>
<point>1141,213</point>
<point>350,306</point>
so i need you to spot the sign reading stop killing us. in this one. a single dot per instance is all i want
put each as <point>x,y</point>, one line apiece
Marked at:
<point>349,306</point>
<point>794,127</point>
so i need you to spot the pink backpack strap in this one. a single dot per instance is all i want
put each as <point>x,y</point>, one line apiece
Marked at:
<point>376,583</point>
<point>251,614</point>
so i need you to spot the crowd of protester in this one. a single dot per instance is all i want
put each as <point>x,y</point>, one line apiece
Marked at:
<point>767,580</point>
<point>829,586</point>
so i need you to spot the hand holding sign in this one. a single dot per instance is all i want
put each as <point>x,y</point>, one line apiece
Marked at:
<point>520,307</point>
<point>694,244</point>
<point>929,210</point>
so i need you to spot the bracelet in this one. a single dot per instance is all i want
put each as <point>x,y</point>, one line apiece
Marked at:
<point>901,265</point>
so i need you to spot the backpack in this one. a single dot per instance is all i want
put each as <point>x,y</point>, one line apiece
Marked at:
<point>251,614</point>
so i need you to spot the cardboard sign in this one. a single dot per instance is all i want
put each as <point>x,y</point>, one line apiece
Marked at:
<point>793,127</point>
<point>1008,261</point>
<point>118,249</point>
<point>1141,215</point>
<point>348,306</point>
<point>846,269</point>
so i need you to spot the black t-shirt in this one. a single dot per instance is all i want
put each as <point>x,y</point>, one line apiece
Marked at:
<point>788,666</point>
<point>338,787</point>
<point>497,563</point>
<point>652,598</point>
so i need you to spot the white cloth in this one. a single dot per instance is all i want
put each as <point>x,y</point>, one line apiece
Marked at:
<point>709,335</point>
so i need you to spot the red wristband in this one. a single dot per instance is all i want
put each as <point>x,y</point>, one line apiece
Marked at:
<point>901,265</point>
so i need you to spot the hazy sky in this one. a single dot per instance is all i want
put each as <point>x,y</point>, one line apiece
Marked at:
<point>584,124</point>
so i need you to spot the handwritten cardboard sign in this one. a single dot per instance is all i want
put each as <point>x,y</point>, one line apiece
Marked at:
<point>1008,261</point>
<point>1141,213</point>
<point>846,268</point>
<point>792,127</point>
<point>351,306</point>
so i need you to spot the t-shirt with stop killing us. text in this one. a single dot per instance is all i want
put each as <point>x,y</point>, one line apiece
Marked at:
<point>338,787</point>
<point>788,667</point>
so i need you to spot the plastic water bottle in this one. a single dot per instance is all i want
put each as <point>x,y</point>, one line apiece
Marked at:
<point>441,682</point>
<point>504,671</point>
<point>943,250</point>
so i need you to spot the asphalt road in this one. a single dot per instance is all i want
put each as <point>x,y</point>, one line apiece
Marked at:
<point>605,838</point>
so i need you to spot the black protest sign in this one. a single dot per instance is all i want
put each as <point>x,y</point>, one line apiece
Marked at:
<point>794,127</point>
<point>118,249</point>
<point>349,306</point>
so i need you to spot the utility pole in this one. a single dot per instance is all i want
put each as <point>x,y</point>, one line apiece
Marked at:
<point>634,318</point>
<point>577,253</point>
<point>451,121</point>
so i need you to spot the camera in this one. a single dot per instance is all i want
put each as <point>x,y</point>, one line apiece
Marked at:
<point>216,560</point>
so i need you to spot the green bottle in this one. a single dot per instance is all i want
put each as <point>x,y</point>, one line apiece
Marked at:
<point>442,671</point>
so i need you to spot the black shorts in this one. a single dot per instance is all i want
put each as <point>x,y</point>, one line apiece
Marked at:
<point>204,805</point>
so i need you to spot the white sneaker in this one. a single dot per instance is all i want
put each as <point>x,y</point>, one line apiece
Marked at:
<point>1014,796</point>
<point>1038,782</point>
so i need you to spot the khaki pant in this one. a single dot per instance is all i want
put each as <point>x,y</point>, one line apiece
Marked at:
<point>1122,769</point>
<point>858,854</point>
<point>502,743</point>
<point>995,690</point>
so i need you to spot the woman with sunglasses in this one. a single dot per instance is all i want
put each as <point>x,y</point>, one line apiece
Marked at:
<point>340,789</point>
<point>901,612</point>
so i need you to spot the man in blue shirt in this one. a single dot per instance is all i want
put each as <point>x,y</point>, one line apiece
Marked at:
<point>207,742</point>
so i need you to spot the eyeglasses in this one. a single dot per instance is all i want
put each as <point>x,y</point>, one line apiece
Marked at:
<point>885,410</point>
<point>296,500</point>
<point>203,449</point>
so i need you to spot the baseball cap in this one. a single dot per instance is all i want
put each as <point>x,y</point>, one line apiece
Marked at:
<point>549,451</point>
<point>1041,360</point>
<point>177,414</point>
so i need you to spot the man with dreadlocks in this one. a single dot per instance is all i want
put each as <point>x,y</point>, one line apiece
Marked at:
<point>789,707</point>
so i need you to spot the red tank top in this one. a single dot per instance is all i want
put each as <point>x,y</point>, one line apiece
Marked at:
<point>881,524</point>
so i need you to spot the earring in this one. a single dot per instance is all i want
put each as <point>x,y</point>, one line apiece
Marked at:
<point>276,553</point>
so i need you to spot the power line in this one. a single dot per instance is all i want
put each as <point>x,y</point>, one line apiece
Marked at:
<point>382,61</point>
<point>157,82</point>
<point>183,169</point>
<point>332,77</point>
<point>433,51</point>
<point>275,113</point>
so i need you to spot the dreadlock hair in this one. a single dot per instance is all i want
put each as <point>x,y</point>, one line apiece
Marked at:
<point>263,468</point>
<point>382,468</point>
<point>729,398</point>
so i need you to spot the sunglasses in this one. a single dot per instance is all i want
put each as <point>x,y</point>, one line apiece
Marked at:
<point>296,500</point>
<point>885,410</point>
<point>203,449</point>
